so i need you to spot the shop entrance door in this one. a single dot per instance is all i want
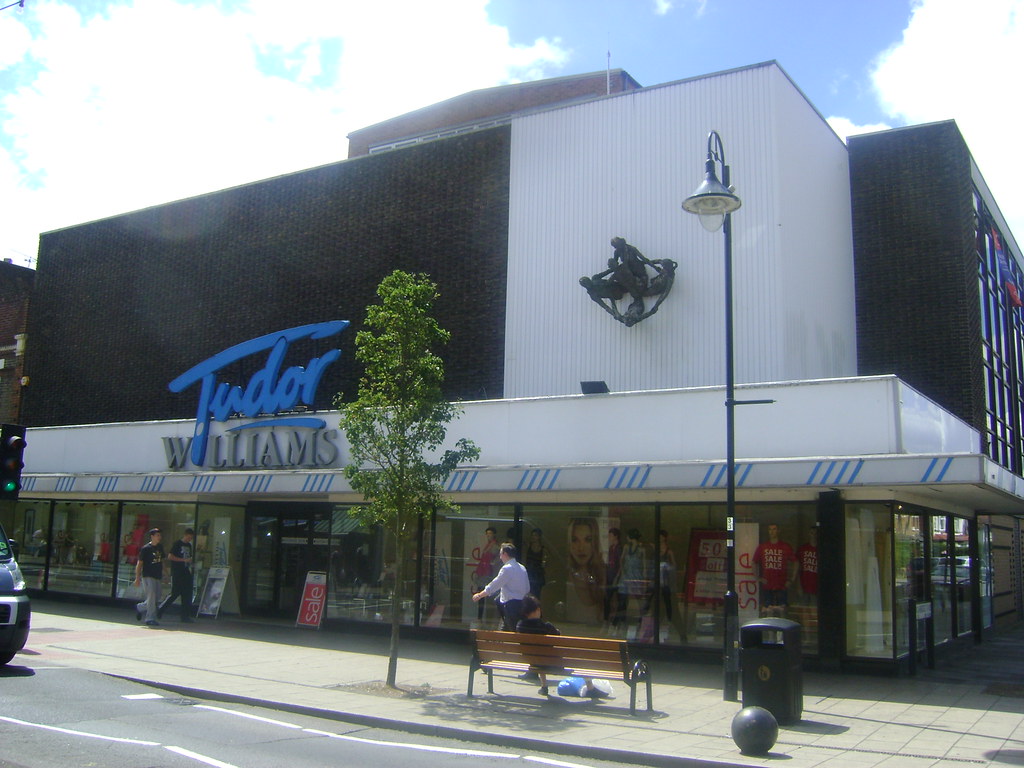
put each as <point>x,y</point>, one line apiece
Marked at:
<point>285,542</point>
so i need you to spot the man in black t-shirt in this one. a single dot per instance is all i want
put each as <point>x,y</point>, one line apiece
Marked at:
<point>149,572</point>
<point>181,576</point>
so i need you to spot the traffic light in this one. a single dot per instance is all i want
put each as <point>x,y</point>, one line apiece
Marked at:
<point>12,449</point>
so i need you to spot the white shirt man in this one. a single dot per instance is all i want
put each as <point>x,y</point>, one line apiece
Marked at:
<point>512,585</point>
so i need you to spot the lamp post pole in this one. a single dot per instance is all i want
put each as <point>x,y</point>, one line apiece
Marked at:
<point>714,202</point>
<point>731,604</point>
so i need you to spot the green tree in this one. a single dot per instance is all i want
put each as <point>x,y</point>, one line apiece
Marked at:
<point>399,421</point>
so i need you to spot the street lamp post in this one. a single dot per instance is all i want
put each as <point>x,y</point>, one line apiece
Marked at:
<point>714,202</point>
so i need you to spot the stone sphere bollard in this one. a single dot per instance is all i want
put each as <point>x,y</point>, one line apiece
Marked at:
<point>754,729</point>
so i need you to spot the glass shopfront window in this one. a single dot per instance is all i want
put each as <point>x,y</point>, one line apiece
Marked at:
<point>28,524</point>
<point>83,548</point>
<point>951,577</point>
<point>359,579</point>
<point>219,543</point>
<point>365,571</point>
<point>869,581</point>
<point>136,519</point>
<point>910,582</point>
<point>986,586</point>
<point>463,558</point>
<point>593,567</point>
<point>942,585</point>
<point>777,566</point>
<point>691,570</point>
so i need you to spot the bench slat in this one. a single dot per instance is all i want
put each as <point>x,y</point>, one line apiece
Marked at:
<point>550,653</point>
<point>552,664</point>
<point>566,640</point>
<point>600,674</point>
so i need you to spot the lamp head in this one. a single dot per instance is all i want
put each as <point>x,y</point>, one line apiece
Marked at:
<point>712,200</point>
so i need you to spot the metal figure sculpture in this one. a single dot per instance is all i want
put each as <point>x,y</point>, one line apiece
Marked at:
<point>629,274</point>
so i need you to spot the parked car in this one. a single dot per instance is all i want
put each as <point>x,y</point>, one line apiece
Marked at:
<point>15,608</point>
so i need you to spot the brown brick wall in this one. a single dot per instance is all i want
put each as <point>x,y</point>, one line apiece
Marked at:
<point>15,290</point>
<point>124,305</point>
<point>916,267</point>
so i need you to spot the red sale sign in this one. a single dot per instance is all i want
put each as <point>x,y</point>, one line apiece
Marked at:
<point>705,581</point>
<point>314,600</point>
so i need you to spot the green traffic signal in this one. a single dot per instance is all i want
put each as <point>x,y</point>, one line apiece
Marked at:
<point>12,448</point>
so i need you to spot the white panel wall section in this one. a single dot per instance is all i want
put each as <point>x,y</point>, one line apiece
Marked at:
<point>866,416</point>
<point>815,232</point>
<point>621,166</point>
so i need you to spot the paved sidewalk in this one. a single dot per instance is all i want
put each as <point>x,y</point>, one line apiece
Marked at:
<point>968,714</point>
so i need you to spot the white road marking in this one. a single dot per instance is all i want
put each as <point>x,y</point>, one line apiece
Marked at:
<point>250,717</point>
<point>140,696</point>
<point>80,733</point>
<point>549,761</point>
<point>200,758</point>
<point>421,747</point>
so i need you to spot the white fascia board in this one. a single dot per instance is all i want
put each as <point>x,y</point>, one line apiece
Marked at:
<point>863,416</point>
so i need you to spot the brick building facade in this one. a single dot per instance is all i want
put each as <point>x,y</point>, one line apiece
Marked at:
<point>15,289</point>
<point>269,255</point>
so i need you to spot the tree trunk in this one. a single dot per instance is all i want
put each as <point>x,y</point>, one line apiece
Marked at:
<point>395,616</point>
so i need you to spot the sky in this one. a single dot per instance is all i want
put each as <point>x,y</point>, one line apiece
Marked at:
<point>109,106</point>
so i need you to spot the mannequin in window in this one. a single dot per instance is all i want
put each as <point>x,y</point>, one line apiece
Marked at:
<point>775,566</point>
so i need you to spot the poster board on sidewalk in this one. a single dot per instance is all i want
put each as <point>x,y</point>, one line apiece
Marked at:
<point>213,591</point>
<point>314,600</point>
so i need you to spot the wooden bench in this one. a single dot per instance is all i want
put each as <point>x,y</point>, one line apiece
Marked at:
<point>557,656</point>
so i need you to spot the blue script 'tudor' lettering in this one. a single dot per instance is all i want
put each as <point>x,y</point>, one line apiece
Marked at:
<point>269,391</point>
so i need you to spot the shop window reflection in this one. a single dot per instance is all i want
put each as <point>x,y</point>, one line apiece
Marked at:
<point>82,550</point>
<point>869,582</point>
<point>28,524</point>
<point>363,574</point>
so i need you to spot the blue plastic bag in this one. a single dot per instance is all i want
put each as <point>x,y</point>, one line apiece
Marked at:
<point>572,686</point>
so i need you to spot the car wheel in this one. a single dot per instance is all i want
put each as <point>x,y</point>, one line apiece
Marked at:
<point>5,658</point>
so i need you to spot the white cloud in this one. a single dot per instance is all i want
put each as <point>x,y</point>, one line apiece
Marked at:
<point>160,99</point>
<point>845,128</point>
<point>962,60</point>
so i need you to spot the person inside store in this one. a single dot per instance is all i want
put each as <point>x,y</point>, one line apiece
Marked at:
<point>535,560</point>
<point>486,563</point>
<point>775,568</point>
<point>667,568</point>
<point>613,604</point>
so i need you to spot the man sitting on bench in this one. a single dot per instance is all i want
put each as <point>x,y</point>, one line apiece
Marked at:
<point>533,624</point>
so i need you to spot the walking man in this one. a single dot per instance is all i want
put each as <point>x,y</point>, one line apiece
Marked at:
<point>512,584</point>
<point>149,572</point>
<point>181,576</point>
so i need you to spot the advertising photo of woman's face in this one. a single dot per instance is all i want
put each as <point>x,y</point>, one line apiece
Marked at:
<point>581,542</point>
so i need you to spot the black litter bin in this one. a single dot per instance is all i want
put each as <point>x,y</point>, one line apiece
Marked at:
<point>772,667</point>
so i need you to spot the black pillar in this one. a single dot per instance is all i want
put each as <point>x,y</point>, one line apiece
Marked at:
<point>831,579</point>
